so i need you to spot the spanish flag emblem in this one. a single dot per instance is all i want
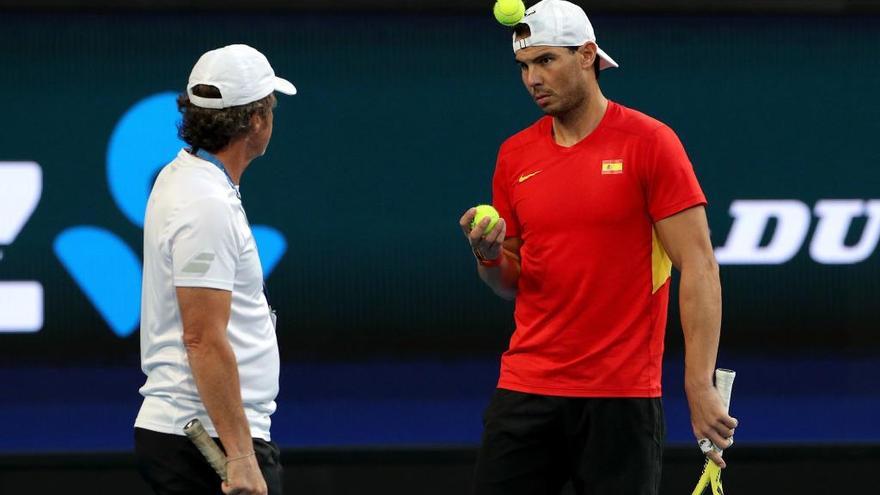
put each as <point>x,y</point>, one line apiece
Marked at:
<point>611,167</point>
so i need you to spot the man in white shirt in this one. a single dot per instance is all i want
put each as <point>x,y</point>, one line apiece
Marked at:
<point>208,343</point>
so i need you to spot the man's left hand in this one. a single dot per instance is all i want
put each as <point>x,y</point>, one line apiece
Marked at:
<point>709,420</point>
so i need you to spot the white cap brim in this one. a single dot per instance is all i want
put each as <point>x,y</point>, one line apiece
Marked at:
<point>284,86</point>
<point>605,61</point>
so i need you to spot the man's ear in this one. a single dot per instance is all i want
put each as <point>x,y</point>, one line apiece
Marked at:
<point>257,122</point>
<point>590,54</point>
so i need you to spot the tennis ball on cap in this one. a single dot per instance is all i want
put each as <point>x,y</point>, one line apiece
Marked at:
<point>509,12</point>
<point>484,211</point>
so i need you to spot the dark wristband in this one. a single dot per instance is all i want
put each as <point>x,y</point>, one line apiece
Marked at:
<point>487,262</point>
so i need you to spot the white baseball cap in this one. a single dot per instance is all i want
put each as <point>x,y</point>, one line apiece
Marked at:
<point>241,73</point>
<point>559,23</point>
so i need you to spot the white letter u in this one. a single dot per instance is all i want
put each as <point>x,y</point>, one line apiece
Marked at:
<point>835,220</point>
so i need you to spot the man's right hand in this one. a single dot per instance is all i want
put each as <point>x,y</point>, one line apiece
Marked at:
<point>489,246</point>
<point>243,477</point>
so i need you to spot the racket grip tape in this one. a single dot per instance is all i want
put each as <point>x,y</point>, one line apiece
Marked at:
<point>200,438</point>
<point>724,385</point>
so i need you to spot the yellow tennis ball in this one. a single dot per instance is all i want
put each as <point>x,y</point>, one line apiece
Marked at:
<point>484,211</point>
<point>509,12</point>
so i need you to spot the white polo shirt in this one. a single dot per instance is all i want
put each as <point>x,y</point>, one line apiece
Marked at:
<point>196,234</point>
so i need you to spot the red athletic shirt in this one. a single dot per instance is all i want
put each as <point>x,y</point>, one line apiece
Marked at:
<point>593,288</point>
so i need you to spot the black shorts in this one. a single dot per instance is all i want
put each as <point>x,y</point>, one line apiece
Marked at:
<point>535,444</point>
<point>172,465</point>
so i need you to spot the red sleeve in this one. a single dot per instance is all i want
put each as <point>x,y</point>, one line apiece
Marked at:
<point>502,200</point>
<point>671,183</point>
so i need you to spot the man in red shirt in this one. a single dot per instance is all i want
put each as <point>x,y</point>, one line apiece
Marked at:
<point>598,202</point>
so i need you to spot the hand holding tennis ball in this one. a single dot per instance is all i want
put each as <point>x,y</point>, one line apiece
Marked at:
<point>485,232</point>
<point>509,12</point>
<point>484,211</point>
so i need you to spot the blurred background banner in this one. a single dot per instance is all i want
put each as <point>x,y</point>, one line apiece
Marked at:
<point>393,136</point>
<point>387,335</point>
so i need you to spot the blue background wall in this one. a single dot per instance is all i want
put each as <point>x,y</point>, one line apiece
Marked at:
<point>388,335</point>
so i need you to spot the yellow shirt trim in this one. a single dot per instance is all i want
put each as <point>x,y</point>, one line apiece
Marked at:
<point>661,265</point>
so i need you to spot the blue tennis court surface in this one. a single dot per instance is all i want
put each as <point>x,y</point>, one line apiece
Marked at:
<point>419,403</point>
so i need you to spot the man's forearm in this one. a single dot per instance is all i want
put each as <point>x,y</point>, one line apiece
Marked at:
<point>502,279</point>
<point>700,305</point>
<point>216,374</point>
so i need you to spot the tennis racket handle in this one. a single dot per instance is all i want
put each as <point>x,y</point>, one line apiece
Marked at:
<point>724,385</point>
<point>200,438</point>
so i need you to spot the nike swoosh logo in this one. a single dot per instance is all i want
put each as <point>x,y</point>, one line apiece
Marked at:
<point>528,13</point>
<point>523,178</point>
